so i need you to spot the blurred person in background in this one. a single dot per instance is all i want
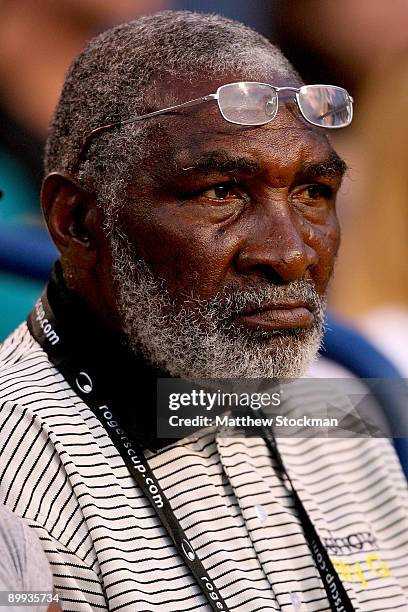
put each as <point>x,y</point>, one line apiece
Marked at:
<point>38,39</point>
<point>24,568</point>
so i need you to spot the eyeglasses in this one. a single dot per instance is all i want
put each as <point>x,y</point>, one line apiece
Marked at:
<point>250,103</point>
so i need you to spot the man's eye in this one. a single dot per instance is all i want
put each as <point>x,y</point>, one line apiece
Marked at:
<point>312,193</point>
<point>318,190</point>
<point>223,193</point>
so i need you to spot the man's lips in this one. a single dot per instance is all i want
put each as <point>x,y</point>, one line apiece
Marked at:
<point>290,315</point>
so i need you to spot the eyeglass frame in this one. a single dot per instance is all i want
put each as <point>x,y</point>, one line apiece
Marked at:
<point>213,96</point>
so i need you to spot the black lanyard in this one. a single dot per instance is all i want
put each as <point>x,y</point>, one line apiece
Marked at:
<point>336,593</point>
<point>44,328</point>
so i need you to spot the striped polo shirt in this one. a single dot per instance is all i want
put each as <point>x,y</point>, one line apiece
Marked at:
<point>61,473</point>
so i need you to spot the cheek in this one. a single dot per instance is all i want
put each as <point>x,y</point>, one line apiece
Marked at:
<point>325,240</point>
<point>190,256</point>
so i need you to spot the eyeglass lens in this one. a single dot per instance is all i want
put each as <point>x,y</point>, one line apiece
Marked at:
<point>249,103</point>
<point>327,106</point>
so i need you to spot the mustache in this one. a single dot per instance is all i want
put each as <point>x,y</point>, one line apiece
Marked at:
<point>233,301</point>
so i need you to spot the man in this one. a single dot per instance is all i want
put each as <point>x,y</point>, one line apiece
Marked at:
<point>195,242</point>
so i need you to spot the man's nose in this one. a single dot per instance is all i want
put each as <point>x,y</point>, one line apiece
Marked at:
<point>279,254</point>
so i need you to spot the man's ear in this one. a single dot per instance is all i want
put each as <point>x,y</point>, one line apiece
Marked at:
<point>72,218</point>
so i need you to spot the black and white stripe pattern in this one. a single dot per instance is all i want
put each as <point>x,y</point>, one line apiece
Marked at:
<point>108,551</point>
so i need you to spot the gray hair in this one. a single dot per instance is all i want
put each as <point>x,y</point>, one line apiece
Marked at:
<point>112,78</point>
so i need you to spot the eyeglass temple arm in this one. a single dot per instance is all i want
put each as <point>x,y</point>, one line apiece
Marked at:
<point>109,126</point>
<point>86,142</point>
<point>170,108</point>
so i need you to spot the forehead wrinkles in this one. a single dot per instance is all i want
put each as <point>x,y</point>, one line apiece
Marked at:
<point>250,153</point>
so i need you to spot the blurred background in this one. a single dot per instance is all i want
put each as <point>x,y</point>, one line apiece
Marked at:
<point>359,44</point>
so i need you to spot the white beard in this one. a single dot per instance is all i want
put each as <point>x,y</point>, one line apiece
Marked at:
<point>198,339</point>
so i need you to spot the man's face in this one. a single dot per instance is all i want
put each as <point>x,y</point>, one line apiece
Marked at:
<point>225,246</point>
